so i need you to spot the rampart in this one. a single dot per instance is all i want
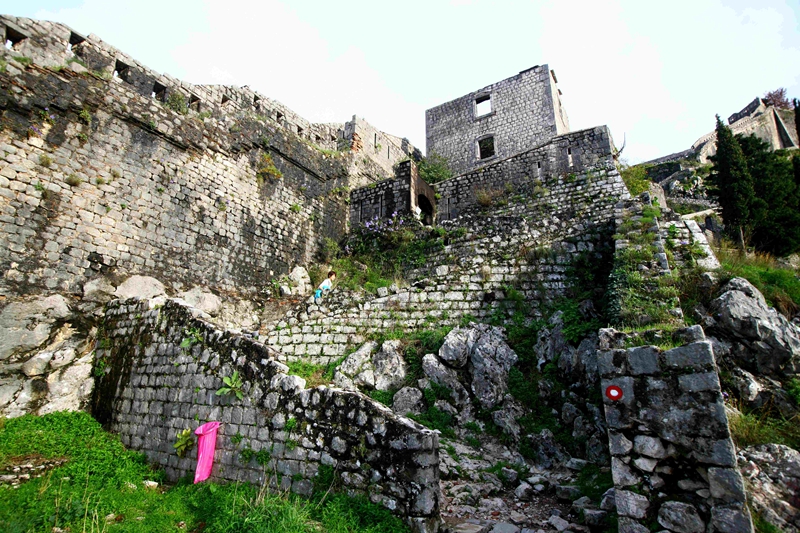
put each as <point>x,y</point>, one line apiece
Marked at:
<point>516,114</point>
<point>102,172</point>
<point>163,366</point>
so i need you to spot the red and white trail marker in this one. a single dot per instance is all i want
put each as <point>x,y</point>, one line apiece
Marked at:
<point>614,393</point>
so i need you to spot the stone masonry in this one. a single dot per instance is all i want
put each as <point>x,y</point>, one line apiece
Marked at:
<point>163,364</point>
<point>673,461</point>
<point>522,112</point>
<point>99,174</point>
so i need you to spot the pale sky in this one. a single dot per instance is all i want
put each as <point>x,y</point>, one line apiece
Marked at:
<point>655,72</point>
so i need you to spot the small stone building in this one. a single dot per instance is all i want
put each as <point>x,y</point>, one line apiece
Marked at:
<point>497,121</point>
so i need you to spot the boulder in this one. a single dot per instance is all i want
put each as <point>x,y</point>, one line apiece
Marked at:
<point>772,343</point>
<point>446,377</point>
<point>407,400</point>
<point>389,366</point>
<point>206,301</point>
<point>358,368</point>
<point>301,281</point>
<point>26,325</point>
<point>98,290</point>
<point>142,287</point>
<point>547,452</point>
<point>455,349</point>
<point>678,516</point>
<point>490,359</point>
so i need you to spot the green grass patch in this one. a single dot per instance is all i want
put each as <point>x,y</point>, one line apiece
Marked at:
<point>314,374</point>
<point>754,428</point>
<point>780,286</point>
<point>635,179</point>
<point>100,478</point>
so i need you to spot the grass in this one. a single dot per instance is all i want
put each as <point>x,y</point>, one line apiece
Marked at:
<point>780,286</point>
<point>101,478</point>
<point>752,429</point>
<point>594,481</point>
<point>635,179</point>
<point>314,374</point>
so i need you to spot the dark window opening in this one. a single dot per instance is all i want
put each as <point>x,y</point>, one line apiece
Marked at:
<point>194,103</point>
<point>569,151</point>
<point>317,139</point>
<point>13,37</point>
<point>225,99</point>
<point>159,92</point>
<point>538,164</point>
<point>279,116</point>
<point>387,153</point>
<point>300,130</point>
<point>74,39</point>
<point>257,103</point>
<point>486,148</point>
<point>121,70</point>
<point>483,105</point>
<point>333,138</point>
<point>375,139</point>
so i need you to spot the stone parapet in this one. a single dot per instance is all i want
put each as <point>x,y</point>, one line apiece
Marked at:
<point>162,369</point>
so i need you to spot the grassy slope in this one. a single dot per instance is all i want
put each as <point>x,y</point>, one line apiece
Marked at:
<point>99,479</point>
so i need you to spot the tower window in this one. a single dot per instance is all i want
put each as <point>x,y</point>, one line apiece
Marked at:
<point>13,38</point>
<point>486,148</point>
<point>483,105</point>
<point>121,70</point>
<point>159,92</point>
<point>194,103</point>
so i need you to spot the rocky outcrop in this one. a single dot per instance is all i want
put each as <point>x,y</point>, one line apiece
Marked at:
<point>370,368</point>
<point>759,339</point>
<point>772,477</point>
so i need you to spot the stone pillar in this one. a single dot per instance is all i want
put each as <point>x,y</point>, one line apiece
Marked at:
<point>673,460</point>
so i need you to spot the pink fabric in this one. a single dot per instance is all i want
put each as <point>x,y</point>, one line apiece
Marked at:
<point>207,443</point>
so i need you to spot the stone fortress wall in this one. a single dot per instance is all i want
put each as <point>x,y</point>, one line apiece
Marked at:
<point>525,111</point>
<point>154,191</point>
<point>155,388</point>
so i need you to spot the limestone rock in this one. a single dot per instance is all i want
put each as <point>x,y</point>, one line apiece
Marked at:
<point>26,325</point>
<point>455,350</point>
<point>205,301</point>
<point>547,451</point>
<point>631,504</point>
<point>143,287</point>
<point>680,517</point>
<point>490,360</point>
<point>446,377</point>
<point>36,365</point>
<point>407,400</point>
<point>772,342</point>
<point>98,290</point>
<point>773,478</point>
<point>301,281</point>
<point>389,366</point>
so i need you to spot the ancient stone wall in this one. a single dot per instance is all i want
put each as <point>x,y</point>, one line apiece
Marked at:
<point>380,200</point>
<point>384,149</point>
<point>162,366</point>
<point>521,112</point>
<point>98,174</point>
<point>571,167</point>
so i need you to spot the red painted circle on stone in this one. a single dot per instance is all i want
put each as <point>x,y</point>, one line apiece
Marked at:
<point>614,393</point>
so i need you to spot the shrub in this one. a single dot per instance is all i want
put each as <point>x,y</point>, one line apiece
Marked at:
<point>434,169</point>
<point>177,102</point>
<point>72,180</point>
<point>45,160</point>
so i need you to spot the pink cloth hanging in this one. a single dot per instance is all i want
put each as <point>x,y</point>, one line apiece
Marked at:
<point>207,443</point>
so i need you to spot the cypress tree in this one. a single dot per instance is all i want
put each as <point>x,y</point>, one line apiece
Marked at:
<point>732,184</point>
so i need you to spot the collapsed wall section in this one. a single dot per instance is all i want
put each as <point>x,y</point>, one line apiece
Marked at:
<point>162,367</point>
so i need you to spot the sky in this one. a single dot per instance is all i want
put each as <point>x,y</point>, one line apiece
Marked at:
<point>655,72</point>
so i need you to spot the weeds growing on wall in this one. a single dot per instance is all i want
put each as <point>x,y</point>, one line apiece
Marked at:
<point>314,374</point>
<point>751,428</point>
<point>635,179</point>
<point>377,252</point>
<point>266,169</point>
<point>101,479</point>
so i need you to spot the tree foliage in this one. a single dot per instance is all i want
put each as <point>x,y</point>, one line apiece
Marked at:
<point>777,98</point>
<point>758,191</point>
